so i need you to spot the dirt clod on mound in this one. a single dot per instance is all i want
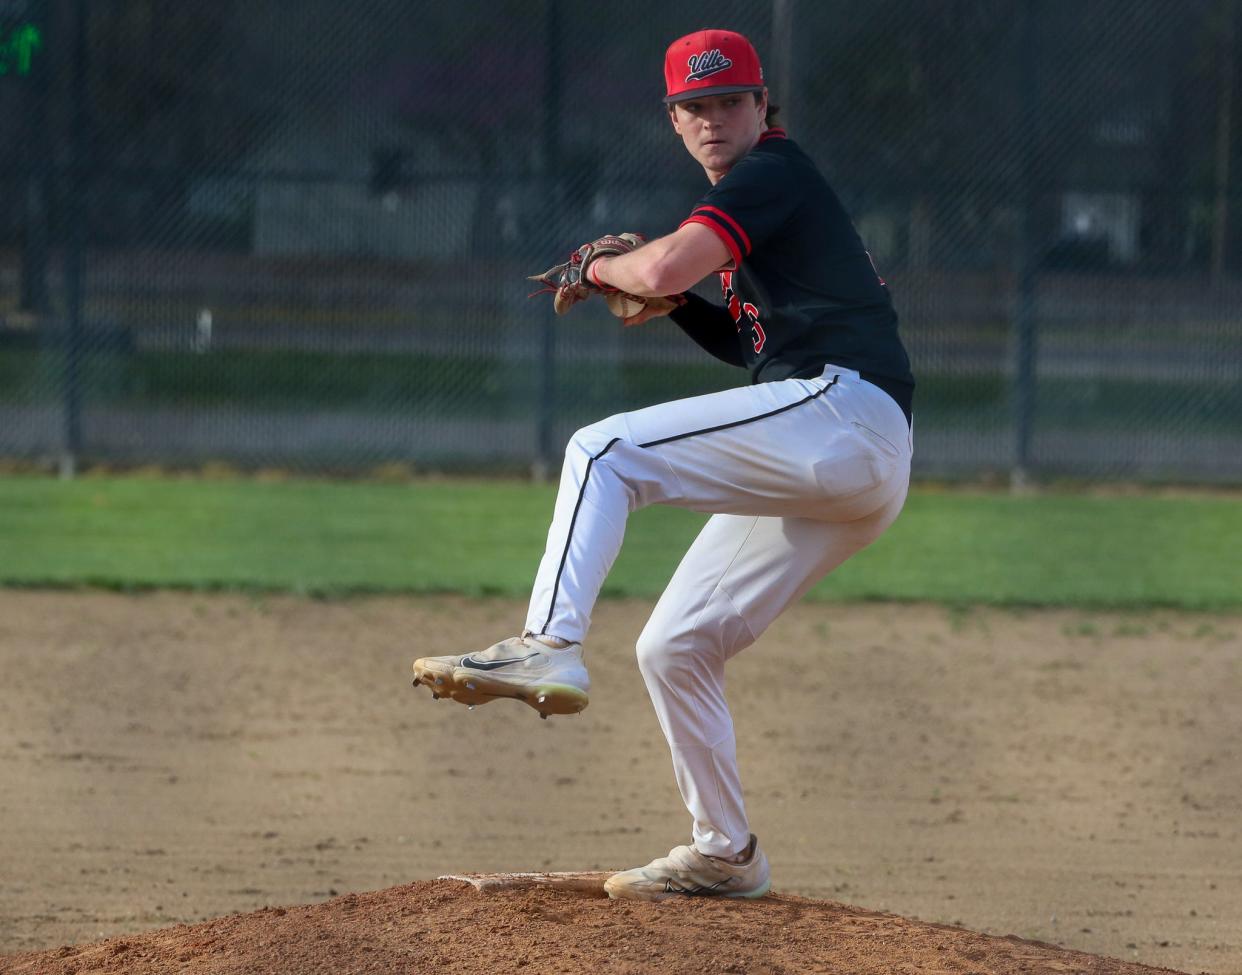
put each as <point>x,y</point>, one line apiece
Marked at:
<point>447,926</point>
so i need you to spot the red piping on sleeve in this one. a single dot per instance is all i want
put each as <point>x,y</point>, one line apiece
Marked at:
<point>714,226</point>
<point>737,227</point>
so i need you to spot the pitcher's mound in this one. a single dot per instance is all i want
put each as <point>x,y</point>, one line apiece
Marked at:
<point>449,926</point>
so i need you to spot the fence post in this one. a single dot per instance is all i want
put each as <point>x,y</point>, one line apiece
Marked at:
<point>1025,310</point>
<point>75,253</point>
<point>546,460</point>
<point>1224,142</point>
<point>782,55</point>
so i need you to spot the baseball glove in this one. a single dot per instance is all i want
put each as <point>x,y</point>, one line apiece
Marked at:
<point>570,282</point>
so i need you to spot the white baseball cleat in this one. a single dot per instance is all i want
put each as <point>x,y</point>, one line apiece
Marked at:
<point>550,680</point>
<point>687,872</point>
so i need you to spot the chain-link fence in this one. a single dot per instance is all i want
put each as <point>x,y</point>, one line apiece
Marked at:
<point>296,234</point>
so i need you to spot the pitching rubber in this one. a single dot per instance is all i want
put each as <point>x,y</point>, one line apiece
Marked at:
<point>586,882</point>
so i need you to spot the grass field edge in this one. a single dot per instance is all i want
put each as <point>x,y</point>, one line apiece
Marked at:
<point>339,592</point>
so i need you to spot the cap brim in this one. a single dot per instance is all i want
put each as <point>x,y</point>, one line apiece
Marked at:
<point>686,96</point>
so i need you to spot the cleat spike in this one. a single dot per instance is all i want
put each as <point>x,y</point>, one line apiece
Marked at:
<point>543,715</point>
<point>469,707</point>
<point>435,696</point>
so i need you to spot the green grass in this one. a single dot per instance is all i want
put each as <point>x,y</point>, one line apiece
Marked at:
<point>336,538</point>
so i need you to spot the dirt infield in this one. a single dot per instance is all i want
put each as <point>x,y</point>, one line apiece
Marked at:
<point>1060,777</point>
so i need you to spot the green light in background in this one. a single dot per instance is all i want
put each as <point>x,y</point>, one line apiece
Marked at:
<point>17,50</point>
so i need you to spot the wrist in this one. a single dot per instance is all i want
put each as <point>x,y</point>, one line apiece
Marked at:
<point>593,270</point>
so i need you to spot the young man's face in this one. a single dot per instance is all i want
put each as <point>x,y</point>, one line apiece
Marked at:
<point>718,130</point>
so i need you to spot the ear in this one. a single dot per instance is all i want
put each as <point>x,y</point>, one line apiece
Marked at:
<point>762,105</point>
<point>672,117</point>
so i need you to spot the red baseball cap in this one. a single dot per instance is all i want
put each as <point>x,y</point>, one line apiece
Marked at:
<point>710,62</point>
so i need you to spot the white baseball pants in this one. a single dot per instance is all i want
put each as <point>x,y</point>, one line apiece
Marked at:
<point>798,474</point>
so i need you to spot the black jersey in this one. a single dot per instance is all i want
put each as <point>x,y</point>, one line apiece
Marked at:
<point>802,291</point>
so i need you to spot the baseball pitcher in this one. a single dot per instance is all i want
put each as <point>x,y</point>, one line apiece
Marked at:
<point>800,469</point>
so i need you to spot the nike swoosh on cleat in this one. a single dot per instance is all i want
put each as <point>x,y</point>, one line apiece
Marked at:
<point>493,664</point>
<point>671,887</point>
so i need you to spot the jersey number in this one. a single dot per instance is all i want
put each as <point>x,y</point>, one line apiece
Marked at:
<point>757,335</point>
<point>737,309</point>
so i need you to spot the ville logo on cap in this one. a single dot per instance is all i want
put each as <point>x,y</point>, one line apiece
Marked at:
<point>719,62</point>
<point>706,64</point>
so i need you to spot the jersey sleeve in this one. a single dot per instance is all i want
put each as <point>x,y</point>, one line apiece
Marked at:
<point>711,327</point>
<point>747,206</point>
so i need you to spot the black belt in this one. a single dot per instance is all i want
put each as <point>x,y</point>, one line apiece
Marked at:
<point>901,392</point>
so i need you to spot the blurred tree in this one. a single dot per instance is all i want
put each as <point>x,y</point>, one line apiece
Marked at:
<point>918,97</point>
<point>925,98</point>
<point>484,100</point>
<point>478,91</point>
<point>478,99</point>
<point>914,102</point>
<point>173,100</point>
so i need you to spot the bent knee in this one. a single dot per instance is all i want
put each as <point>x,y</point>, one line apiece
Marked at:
<point>650,651</point>
<point>594,440</point>
<point>678,650</point>
<point>670,658</point>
